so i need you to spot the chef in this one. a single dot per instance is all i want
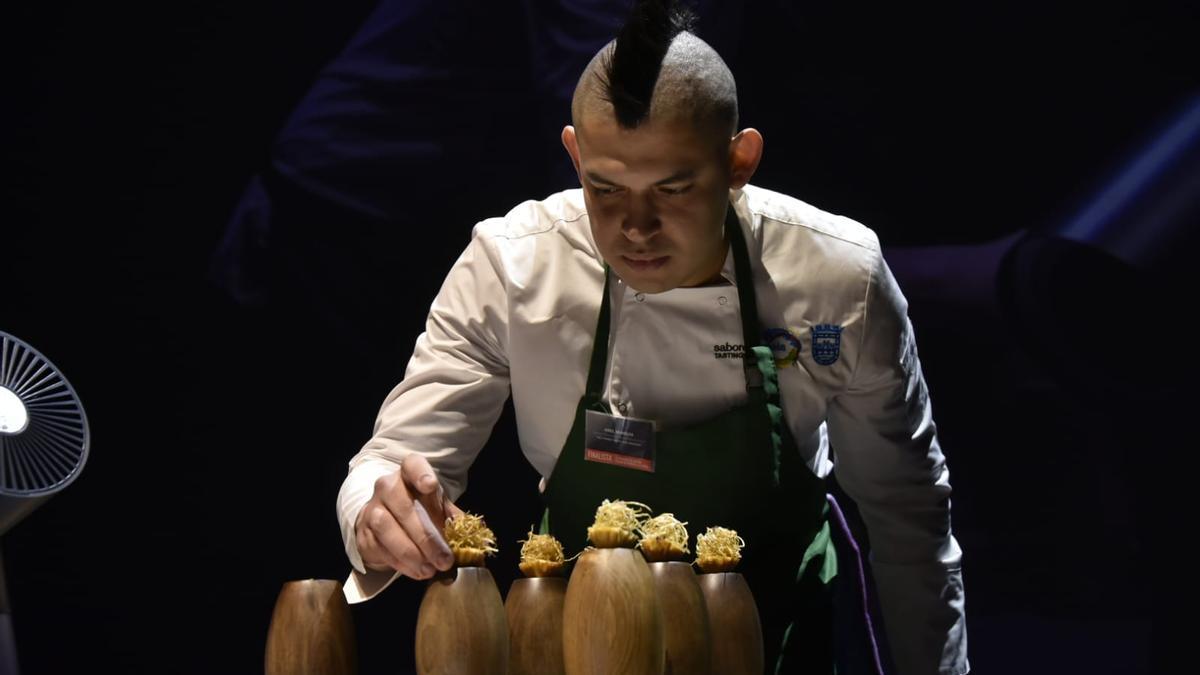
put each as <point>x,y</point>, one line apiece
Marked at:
<point>673,335</point>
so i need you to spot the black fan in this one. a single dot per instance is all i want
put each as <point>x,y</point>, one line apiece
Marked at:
<point>43,445</point>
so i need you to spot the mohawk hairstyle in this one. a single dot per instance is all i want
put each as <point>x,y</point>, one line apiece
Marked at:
<point>632,70</point>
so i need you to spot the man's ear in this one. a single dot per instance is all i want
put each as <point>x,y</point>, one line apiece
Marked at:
<point>745,151</point>
<point>571,143</point>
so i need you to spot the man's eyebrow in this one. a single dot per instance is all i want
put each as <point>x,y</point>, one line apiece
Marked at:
<point>597,178</point>
<point>685,174</point>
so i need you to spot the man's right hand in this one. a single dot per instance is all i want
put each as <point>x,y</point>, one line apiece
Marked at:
<point>400,528</point>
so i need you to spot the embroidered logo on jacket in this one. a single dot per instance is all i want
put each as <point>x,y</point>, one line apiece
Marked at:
<point>826,343</point>
<point>728,351</point>
<point>784,344</point>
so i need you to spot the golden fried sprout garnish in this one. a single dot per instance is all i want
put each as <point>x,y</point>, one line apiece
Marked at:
<point>617,524</point>
<point>541,556</point>
<point>718,550</point>
<point>469,539</point>
<point>664,537</point>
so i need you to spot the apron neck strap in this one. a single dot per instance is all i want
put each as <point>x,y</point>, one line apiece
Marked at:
<point>744,275</point>
<point>595,383</point>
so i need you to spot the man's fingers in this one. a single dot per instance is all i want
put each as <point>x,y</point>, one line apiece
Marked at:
<point>420,528</point>
<point>431,519</point>
<point>417,472</point>
<point>430,539</point>
<point>437,509</point>
<point>435,505</point>
<point>393,542</point>
<point>374,555</point>
<point>416,509</point>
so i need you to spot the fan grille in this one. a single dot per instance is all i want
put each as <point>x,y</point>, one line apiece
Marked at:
<point>52,447</point>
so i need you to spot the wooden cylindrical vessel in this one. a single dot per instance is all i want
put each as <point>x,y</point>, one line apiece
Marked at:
<point>461,628</point>
<point>737,640</point>
<point>534,608</point>
<point>686,633</point>
<point>311,631</point>
<point>612,622</point>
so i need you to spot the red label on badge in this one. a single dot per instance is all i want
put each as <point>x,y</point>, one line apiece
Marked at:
<point>618,459</point>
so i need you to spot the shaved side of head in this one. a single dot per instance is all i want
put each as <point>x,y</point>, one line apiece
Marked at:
<point>657,69</point>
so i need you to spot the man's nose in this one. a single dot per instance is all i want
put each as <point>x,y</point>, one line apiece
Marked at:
<point>641,221</point>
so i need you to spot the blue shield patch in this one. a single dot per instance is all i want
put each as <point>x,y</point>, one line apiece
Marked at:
<point>826,343</point>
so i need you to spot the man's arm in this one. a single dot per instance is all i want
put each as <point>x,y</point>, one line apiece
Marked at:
<point>887,458</point>
<point>443,411</point>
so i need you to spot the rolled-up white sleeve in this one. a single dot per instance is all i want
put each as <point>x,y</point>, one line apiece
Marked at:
<point>887,458</point>
<point>452,393</point>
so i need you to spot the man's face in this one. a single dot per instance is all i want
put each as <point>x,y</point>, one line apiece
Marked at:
<point>656,197</point>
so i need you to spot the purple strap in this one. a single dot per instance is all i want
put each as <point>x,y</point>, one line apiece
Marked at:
<point>862,579</point>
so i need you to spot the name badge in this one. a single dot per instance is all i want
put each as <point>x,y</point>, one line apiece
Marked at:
<point>620,441</point>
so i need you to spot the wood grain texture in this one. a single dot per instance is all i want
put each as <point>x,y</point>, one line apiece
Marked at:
<point>612,623</point>
<point>461,629</point>
<point>311,631</point>
<point>737,641</point>
<point>534,608</point>
<point>686,633</point>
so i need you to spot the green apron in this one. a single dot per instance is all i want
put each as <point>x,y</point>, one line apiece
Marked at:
<point>741,470</point>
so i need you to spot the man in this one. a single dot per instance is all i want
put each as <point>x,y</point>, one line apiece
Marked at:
<point>644,301</point>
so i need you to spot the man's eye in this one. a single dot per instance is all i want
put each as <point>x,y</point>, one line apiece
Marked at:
<point>604,190</point>
<point>675,190</point>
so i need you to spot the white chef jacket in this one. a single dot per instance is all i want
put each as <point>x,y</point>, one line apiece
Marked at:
<point>517,313</point>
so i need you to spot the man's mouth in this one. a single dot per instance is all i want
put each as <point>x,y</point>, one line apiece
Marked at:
<point>645,263</point>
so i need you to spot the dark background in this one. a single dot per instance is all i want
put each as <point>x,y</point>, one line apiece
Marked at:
<point>221,429</point>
